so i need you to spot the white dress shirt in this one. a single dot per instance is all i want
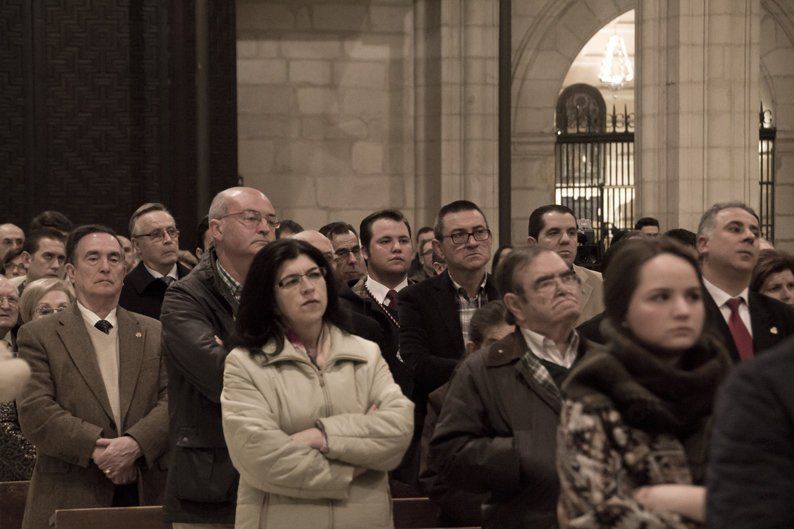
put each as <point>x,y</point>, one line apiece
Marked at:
<point>545,348</point>
<point>721,298</point>
<point>379,291</point>
<point>156,274</point>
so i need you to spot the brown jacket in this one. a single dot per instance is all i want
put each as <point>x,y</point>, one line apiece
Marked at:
<point>496,434</point>
<point>65,409</point>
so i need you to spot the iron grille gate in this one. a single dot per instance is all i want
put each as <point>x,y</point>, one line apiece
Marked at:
<point>766,158</point>
<point>594,160</point>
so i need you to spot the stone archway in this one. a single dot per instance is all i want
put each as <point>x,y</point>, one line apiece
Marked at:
<point>547,38</point>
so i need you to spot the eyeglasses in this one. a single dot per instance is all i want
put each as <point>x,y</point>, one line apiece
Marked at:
<point>252,218</point>
<point>293,280</point>
<point>462,237</point>
<point>12,301</point>
<point>16,268</point>
<point>343,253</point>
<point>547,284</point>
<point>159,235</point>
<point>43,310</point>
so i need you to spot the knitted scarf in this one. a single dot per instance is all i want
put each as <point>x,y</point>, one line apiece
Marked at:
<point>652,394</point>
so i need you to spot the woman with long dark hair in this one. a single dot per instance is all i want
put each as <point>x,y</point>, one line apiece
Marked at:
<point>634,428</point>
<point>311,415</point>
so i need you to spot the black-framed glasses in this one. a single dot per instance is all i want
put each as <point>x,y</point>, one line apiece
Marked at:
<point>547,284</point>
<point>251,218</point>
<point>343,253</point>
<point>159,235</point>
<point>293,280</point>
<point>462,237</point>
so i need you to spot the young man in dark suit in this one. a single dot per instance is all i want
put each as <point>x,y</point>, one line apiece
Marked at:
<point>747,322</point>
<point>155,239</point>
<point>434,314</point>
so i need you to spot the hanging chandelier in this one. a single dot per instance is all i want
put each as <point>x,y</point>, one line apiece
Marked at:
<point>616,69</point>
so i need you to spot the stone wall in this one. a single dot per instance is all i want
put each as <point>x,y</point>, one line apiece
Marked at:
<point>325,106</point>
<point>345,106</point>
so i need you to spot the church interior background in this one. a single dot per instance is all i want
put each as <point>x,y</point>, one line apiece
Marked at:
<point>335,108</point>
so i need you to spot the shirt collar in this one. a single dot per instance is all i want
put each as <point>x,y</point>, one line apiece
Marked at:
<point>155,274</point>
<point>545,348</point>
<point>462,291</point>
<point>91,318</point>
<point>721,297</point>
<point>231,283</point>
<point>379,290</point>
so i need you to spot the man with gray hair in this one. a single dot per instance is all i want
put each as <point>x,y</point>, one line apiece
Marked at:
<point>198,319</point>
<point>728,244</point>
<point>496,432</point>
<point>156,241</point>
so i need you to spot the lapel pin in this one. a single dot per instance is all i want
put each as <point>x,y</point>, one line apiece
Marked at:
<point>773,330</point>
<point>138,335</point>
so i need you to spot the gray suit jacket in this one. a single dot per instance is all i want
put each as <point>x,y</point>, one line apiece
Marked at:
<point>65,409</point>
<point>592,293</point>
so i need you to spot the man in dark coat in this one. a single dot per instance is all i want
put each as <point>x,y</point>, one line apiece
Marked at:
<point>496,432</point>
<point>198,319</point>
<point>156,241</point>
<point>434,314</point>
<point>751,462</point>
<point>747,322</point>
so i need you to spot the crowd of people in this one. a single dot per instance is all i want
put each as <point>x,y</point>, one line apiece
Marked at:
<point>282,377</point>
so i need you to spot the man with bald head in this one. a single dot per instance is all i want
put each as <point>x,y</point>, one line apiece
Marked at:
<point>198,319</point>
<point>11,238</point>
<point>363,326</point>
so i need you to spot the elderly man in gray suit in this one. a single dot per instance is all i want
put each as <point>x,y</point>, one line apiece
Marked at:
<point>96,405</point>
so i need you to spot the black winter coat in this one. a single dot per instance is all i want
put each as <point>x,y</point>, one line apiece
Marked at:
<point>197,312</point>
<point>497,434</point>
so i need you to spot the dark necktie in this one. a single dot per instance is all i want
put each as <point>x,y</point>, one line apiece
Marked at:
<point>104,326</point>
<point>391,297</point>
<point>167,280</point>
<point>741,336</point>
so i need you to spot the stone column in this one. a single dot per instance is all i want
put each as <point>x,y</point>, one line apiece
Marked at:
<point>697,101</point>
<point>457,104</point>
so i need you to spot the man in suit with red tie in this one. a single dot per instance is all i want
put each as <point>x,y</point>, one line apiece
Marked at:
<point>748,322</point>
<point>96,406</point>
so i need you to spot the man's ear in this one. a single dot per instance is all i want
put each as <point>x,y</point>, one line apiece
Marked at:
<point>470,347</point>
<point>215,229</point>
<point>364,252</point>
<point>26,257</point>
<point>439,249</point>
<point>702,244</point>
<point>69,267</point>
<point>513,303</point>
<point>531,241</point>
